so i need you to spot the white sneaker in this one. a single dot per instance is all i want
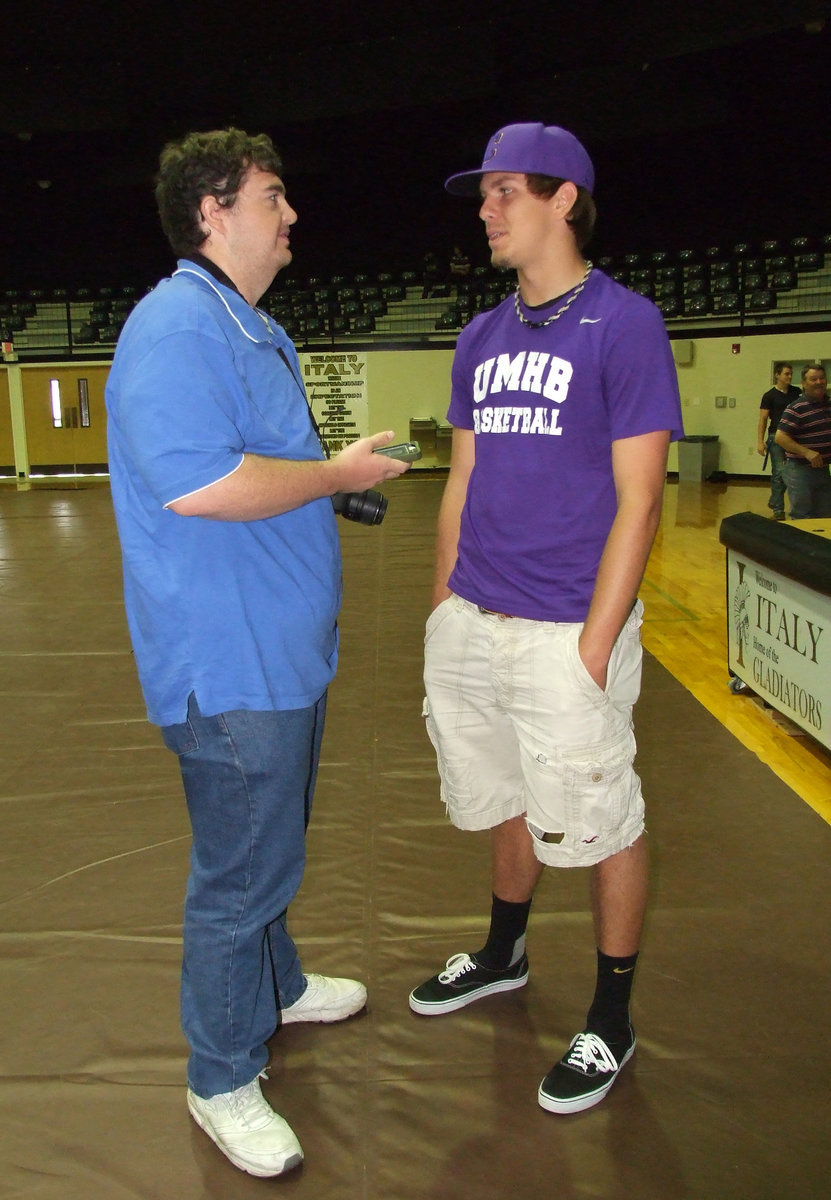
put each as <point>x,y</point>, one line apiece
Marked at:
<point>247,1130</point>
<point>326,1000</point>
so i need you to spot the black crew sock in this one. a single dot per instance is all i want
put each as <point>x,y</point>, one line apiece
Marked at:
<point>506,937</point>
<point>609,1012</point>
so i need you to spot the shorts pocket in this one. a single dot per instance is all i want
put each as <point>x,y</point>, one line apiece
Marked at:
<point>623,672</point>
<point>454,770</point>
<point>602,783</point>
<point>584,793</point>
<point>579,671</point>
<point>439,614</point>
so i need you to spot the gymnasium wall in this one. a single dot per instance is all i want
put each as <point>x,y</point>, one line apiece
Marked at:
<point>740,369</point>
<point>387,389</point>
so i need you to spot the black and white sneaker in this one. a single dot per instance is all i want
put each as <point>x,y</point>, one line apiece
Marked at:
<point>462,981</point>
<point>585,1073</point>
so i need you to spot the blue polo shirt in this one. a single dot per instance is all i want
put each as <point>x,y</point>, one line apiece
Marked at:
<point>242,613</point>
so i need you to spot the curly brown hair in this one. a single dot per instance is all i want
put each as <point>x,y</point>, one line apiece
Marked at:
<point>205,164</point>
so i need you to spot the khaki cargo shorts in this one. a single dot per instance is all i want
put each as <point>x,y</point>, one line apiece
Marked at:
<point>521,728</point>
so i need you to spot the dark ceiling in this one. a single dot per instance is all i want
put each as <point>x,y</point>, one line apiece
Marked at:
<point>706,121</point>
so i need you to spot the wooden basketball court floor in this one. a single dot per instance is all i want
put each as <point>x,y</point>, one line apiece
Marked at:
<point>728,1094</point>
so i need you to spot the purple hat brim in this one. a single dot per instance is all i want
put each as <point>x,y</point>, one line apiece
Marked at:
<point>529,148</point>
<point>465,183</point>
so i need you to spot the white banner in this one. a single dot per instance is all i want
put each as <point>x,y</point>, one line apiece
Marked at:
<point>778,642</point>
<point>337,389</point>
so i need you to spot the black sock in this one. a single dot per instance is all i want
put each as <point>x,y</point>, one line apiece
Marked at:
<point>506,937</point>
<point>609,1013</point>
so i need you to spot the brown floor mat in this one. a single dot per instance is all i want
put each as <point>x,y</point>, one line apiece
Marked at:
<point>727,1095</point>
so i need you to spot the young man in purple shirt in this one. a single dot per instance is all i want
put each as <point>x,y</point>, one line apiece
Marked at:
<point>564,401</point>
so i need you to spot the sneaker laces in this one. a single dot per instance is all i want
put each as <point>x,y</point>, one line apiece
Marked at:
<point>590,1054</point>
<point>455,966</point>
<point>249,1106</point>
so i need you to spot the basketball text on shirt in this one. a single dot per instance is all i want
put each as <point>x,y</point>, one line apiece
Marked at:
<point>529,371</point>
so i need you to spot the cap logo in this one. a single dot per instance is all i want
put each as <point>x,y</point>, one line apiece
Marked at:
<point>497,139</point>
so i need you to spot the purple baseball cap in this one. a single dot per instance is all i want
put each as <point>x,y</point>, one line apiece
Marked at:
<point>529,149</point>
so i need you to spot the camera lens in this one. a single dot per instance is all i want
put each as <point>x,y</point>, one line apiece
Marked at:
<point>367,508</point>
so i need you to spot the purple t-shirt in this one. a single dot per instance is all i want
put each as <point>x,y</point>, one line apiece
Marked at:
<point>545,406</point>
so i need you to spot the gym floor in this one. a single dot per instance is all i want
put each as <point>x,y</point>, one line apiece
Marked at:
<point>727,1094</point>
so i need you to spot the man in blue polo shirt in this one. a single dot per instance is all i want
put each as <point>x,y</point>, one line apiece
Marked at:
<point>222,496</point>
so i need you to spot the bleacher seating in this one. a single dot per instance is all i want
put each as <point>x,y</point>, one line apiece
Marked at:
<point>761,301</point>
<point>781,262</point>
<point>778,280</point>
<point>362,324</point>
<point>728,302</point>
<point>698,306</point>
<point>452,319</point>
<point>783,280</point>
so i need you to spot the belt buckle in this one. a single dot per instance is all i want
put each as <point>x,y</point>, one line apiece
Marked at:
<point>489,612</point>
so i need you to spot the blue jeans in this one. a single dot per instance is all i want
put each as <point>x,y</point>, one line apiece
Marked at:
<point>249,779</point>
<point>777,477</point>
<point>809,489</point>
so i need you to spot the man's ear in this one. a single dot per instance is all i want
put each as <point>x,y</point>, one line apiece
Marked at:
<point>564,198</point>
<point>213,215</point>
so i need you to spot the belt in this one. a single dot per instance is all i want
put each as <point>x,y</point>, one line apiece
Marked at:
<point>489,612</point>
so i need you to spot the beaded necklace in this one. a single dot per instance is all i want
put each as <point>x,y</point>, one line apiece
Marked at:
<point>556,316</point>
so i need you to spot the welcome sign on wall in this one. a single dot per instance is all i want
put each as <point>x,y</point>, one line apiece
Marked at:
<point>337,390</point>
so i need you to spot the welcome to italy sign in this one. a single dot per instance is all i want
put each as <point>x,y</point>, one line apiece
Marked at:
<point>779,627</point>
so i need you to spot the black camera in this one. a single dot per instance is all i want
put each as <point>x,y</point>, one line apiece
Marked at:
<point>367,508</point>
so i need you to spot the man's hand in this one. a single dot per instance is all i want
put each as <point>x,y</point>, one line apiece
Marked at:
<point>814,458</point>
<point>596,664</point>
<point>357,468</point>
<point>265,487</point>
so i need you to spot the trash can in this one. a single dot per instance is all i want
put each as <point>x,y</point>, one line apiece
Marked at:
<point>697,457</point>
<point>444,442</point>
<point>423,431</point>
